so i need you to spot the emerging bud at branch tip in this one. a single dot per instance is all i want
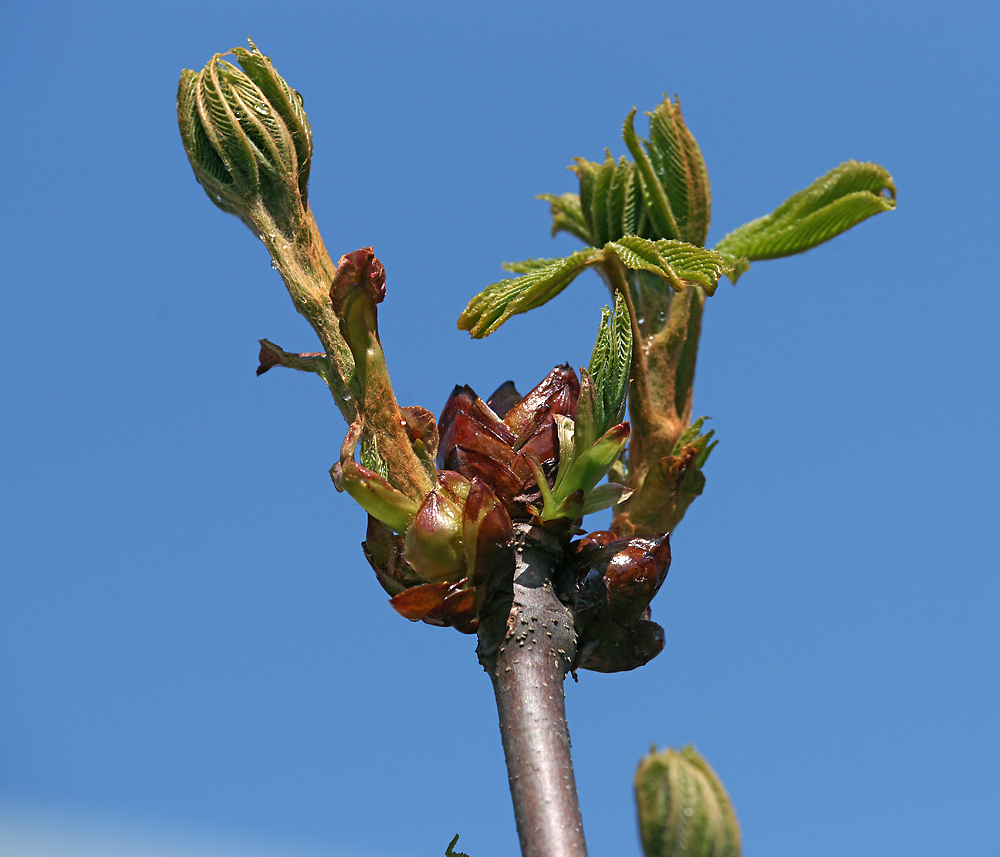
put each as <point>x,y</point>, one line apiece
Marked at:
<point>248,140</point>
<point>684,810</point>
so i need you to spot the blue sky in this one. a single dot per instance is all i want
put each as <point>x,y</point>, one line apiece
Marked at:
<point>191,640</point>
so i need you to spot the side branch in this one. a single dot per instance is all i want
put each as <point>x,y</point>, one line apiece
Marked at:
<point>527,646</point>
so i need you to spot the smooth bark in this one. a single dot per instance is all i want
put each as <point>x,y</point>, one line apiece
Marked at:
<point>527,644</point>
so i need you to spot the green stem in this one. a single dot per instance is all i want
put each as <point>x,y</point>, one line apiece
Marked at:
<point>307,269</point>
<point>665,330</point>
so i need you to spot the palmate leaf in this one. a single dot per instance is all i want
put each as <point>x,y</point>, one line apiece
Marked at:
<point>498,302</point>
<point>663,193</point>
<point>832,204</point>
<point>680,265</point>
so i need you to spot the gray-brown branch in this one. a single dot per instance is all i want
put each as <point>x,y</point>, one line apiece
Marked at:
<point>527,646</point>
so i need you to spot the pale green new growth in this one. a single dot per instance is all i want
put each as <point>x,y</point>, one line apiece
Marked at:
<point>608,374</point>
<point>684,810</point>
<point>590,445</point>
<point>567,215</point>
<point>371,458</point>
<point>653,192</point>
<point>681,170</point>
<point>645,222</point>
<point>527,266</point>
<point>680,265</point>
<point>676,262</point>
<point>610,359</point>
<point>664,193</point>
<point>650,214</point>
<point>694,438</point>
<point>832,204</point>
<point>498,302</point>
<point>288,103</point>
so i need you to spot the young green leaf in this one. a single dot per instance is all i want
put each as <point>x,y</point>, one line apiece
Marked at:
<point>451,845</point>
<point>634,219</point>
<point>832,204</point>
<point>679,166</point>
<point>684,810</point>
<point>498,302</point>
<point>599,205</point>
<point>677,262</point>
<point>654,197</point>
<point>586,171</point>
<point>567,215</point>
<point>369,490</point>
<point>670,485</point>
<point>624,195</point>
<point>371,458</point>
<point>680,264</point>
<point>580,469</point>
<point>527,266</point>
<point>285,101</point>
<point>694,438</point>
<point>610,198</point>
<point>604,384</point>
<point>609,365</point>
<point>248,140</point>
<point>604,496</point>
<point>586,466</point>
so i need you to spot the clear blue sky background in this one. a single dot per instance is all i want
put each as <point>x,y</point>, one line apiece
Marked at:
<point>190,638</point>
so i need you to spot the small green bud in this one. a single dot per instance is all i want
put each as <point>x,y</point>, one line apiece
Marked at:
<point>434,540</point>
<point>248,140</point>
<point>683,809</point>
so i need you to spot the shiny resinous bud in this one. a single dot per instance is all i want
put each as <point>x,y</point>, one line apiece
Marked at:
<point>608,583</point>
<point>248,140</point>
<point>497,440</point>
<point>453,554</point>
